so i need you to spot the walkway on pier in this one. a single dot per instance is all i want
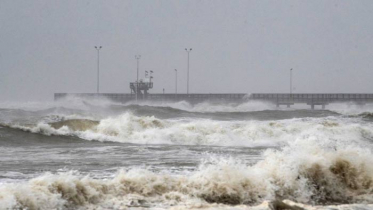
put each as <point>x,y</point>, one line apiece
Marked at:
<point>312,99</point>
<point>276,98</point>
<point>126,97</point>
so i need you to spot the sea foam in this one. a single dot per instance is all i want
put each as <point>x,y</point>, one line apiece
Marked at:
<point>303,172</point>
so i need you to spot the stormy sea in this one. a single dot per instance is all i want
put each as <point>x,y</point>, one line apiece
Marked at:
<point>86,154</point>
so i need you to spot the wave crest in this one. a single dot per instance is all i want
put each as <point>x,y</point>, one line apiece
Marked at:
<point>75,124</point>
<point>306,175</point>
<point>128,128</point>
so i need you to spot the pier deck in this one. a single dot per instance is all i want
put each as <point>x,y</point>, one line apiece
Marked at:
<point>313,99</point>
<point>276,98</point>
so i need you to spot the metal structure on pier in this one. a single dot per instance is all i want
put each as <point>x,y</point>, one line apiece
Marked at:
<point>141,87</point>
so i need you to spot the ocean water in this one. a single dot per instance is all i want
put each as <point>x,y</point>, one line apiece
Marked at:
<point>79,154</point>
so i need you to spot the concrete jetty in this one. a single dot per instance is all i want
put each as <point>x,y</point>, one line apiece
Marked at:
<point>313,100</point>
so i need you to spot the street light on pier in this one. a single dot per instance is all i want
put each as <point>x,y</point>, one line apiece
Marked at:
<point>291,81</point>
<point>137,57</point>
<point>98,67</point>
<point>175,81</point>
<point>188,51</point>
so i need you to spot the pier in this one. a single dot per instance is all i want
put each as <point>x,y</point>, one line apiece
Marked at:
<point>124,98</point>
<point>280,99</point>
<point>315,99</point>
<point>140,92</point>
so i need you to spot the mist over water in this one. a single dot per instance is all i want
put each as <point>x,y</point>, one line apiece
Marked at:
<point>79,154</point>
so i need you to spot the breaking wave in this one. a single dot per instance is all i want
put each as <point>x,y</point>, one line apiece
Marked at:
<point>304,172</point>
<point>366,115</point>
<point>350,109</point>
<point>147,107</point>
<point>128,128</point>
<point>212,107</point>
<point>310,157</point>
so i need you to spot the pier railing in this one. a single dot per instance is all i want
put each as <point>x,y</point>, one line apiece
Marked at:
<point>120,97</point>
<point>301,97</point>
<point>313,99</point>
<point>276,98</point>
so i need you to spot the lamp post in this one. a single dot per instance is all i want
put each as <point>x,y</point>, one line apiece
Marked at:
<point>98,67</point>
<point>175,81</point>
<point>291,81</point>
<point>188,51</point>
<point>137,57</point>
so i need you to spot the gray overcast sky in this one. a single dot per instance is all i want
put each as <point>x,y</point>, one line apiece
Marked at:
<point>238,46</point>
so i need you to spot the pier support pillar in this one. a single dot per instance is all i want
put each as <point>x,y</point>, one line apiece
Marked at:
<point>312,106</point>
<point>277,105</point>
<point>288,105</point>
<point>323,106</point>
